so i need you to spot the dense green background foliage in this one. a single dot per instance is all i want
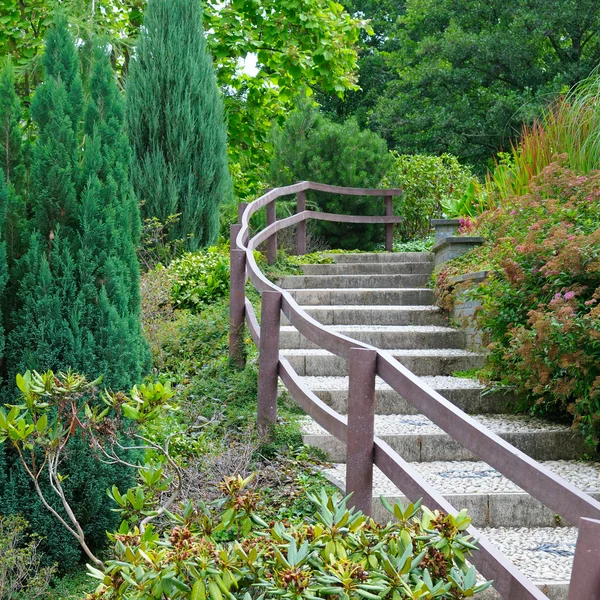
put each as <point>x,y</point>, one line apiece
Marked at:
<point>176,124</point>
<point>311,147</point>
<point>461,77</point>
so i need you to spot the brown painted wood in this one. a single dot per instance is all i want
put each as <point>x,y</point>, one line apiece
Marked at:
<point>272,240</point>
<point>389,228</point>
<point>268,362</point>
<point>585,577</point>
<point>237,297</point>
<point>301,227</point>
<point>361,428</point>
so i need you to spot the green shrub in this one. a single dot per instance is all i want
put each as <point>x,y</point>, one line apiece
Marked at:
<point>342,554</point>
<point>200,278</point>
<point>21,572</point>
<point>540,308</point>
<point>427,183</point>
<point>310,147</point>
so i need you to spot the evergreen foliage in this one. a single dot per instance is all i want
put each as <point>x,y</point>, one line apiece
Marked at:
<point>310,147</point>
<point>176,123</point>
<point>75,302</point>
<point>11,162</point>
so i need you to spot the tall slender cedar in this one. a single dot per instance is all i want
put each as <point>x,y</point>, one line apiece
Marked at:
<point>176,123</point>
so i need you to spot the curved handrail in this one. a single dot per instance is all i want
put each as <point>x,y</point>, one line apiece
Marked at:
<point>558,494</point>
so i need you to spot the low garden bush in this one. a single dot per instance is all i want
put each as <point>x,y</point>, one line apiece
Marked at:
<point>200,278</point>
<point>428,183</point>
<point>233,553</point>
<point>541,304</point>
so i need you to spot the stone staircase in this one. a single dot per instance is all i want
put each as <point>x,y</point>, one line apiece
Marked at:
<point>381,299</point>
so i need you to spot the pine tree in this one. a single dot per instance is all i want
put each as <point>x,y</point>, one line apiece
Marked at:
<point>176,123</point>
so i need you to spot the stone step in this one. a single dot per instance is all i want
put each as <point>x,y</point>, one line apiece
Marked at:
<point>544,554</point>
<point>445,361</point>
<point>467,394</point>
<point>384,336</point>
<point>352,281</point>
<point>389,296</point>
<point>376,315</point>
<point>391,268</point>
<point>382,257</point>
<point>417,439</point>
<point>491,499</point>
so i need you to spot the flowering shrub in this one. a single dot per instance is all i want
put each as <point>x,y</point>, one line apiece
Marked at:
<point>540,307</point>
<point>234,554</point>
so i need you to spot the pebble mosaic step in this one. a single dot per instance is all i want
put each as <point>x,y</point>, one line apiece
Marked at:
<point>467,394</point>
<point>377,257</point>
<point>377,315</point>
<point>384,336</point>
<point>385,296</point>
<point>353,281</point>
<point>544,554</point>
<point>393,268</point>
<point>444,361</point>
<point>417,439</point>
<point>491,499</point>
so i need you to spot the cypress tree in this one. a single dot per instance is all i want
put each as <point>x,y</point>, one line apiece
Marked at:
<point>176,123</point>
<point>78,302</point>
<point>11,163</point>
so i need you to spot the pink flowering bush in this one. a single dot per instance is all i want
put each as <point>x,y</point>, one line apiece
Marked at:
<point>541,306</point>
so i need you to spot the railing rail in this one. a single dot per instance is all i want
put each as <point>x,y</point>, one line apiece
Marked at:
<point>356,430</point>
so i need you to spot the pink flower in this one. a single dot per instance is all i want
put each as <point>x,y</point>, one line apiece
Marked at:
<point>513,212</point>
<point>569,295</point>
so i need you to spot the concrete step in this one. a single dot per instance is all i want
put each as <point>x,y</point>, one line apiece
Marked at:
<point>384,336</point>
<point>417,439</point>
<point>491,499</point>
<point>382,257</point>
<point>467,394</point>
<point>389,296</point>
<point>443,361</point>
<point>390,268</point>
<point>353,281</point>
<point>376,315</point>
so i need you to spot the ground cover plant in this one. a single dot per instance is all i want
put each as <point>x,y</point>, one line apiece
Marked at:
<point>540,306</point>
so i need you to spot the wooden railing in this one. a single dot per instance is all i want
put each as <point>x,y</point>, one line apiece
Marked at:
<point>357,428</point>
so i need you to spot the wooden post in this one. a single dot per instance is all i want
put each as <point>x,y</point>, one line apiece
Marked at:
<point>241,209</point>
<point>301,227</point>
<point>268,361</point>
<point>361,428</point>
<point>237,297</point>
<point>585,576</point>
<point>389,227</point>
<point>272,241</point>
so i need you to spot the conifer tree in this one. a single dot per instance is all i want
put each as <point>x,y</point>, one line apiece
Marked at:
<point>176,123</point>
<point>56,110</point>
<point>11,163</point>
<point>77,299</point>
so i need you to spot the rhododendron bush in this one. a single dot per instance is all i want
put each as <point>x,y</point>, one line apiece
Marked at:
<point>541,305</point>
